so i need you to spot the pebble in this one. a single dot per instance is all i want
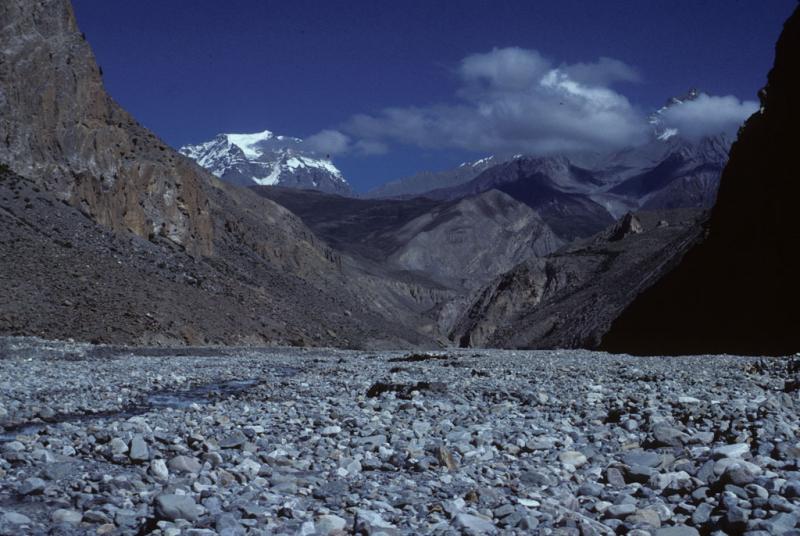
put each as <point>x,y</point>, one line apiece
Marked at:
<point>138,449</point>
<point>62,515</point>
<point>173,507</point>
<point>321,441</point>
<point>736,450</point>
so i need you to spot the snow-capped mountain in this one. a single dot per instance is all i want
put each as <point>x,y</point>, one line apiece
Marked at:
<point>266,159</point>
<point>663,132</point>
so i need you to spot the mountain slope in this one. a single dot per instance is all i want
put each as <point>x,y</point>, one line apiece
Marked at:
<point>457,245</point>
<point>738,290</point>
<point>552,186</point>
<point>71,142</point>
<point>465,243</point>
<point>266,159</point>
<point>568,299</point>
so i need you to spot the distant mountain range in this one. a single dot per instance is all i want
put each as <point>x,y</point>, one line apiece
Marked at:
<point>267,159</point>
<point>426,181</point>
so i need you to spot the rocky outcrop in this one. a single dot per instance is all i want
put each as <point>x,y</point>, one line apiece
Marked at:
<point>58,126</point>
<point>738,291</point>
<point>628,225</point>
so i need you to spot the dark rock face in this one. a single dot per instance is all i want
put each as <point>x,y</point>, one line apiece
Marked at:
<point>66,276</point>
<point>629,225</point>
<point>738,291</point>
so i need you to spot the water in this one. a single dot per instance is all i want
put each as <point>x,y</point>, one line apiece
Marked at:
<point>200,395</point>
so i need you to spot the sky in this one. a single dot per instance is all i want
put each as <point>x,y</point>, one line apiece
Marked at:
<point>393,88</point>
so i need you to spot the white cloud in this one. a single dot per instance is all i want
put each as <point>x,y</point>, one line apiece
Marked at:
<point>328,142</point>
<point>605,71</point>
<point>515,100</point>
<point>707,115</point>
<point>510,68</point>
<point>332,142</point>
<point>370,147</point>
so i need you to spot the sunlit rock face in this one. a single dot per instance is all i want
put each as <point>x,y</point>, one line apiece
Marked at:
<point>59,127</point>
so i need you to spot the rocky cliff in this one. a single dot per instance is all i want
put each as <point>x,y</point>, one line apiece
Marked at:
<point>58,126</point>
<point>738,291</point>
<point>191,259</point>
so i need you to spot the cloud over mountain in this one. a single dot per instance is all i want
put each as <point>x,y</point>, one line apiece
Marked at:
<point>707,115</point>
<point>515,100</point>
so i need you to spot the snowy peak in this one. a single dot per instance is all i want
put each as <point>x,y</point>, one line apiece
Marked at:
<point>249,143</point>
<point>266,159</point>
<point>482,163</point>
<point>662,132</point>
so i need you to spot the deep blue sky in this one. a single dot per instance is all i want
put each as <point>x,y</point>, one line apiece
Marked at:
<point>191,69</point>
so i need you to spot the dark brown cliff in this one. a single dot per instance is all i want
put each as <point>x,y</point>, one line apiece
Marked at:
<point>739,290</point>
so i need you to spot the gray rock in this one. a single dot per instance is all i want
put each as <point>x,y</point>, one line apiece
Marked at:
<point>574,458</point>
<point>331,431</point>
<point>158,468</point>
<point>173,507</point>
<point>329,524</point>
<point>615,478</point>
<point>679,530</point>
<point>642,458</point>
<point>474,524</point>
<point>184,464</point>
<point>779,523</point>
<point>228,524</point>
<point>668,436</point>
<point>735,520</point>
<point>735,450</point>
<point>118,446</point>
<point>138,449</point>
<point>792,489</point>
<point>738,475</point>
<point>536,478</point>
<point>644,516</point>
<point>234,440</point>
<point>702,514</point>
<point>14,518</point>
<point>62,515</point>
<point>621,510</point>
<point>32,486</point>
<point>590,489</point>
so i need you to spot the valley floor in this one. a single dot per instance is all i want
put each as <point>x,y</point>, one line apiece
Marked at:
<point>104,440</point>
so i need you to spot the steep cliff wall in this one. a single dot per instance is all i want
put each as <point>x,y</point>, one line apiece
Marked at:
<point>738,291</point>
